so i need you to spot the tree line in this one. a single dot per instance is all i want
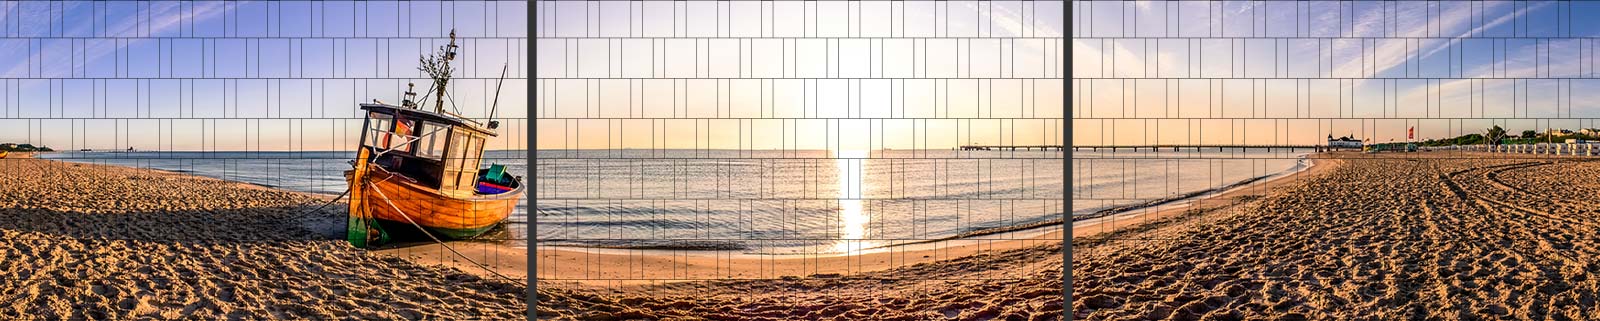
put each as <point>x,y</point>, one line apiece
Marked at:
<point>10,147</point>
<point>1498,136</point>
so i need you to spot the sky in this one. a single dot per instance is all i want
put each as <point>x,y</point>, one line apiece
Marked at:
<point>1202,73</point>
<point>248,75</point>
<point>793,75</point>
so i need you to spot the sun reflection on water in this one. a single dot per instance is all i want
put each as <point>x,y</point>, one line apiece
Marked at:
<point>853,221</point>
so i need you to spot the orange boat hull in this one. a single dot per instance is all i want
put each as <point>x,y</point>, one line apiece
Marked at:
<point>395,198</point>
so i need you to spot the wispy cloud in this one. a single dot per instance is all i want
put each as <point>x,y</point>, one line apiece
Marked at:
<point>158,24</point>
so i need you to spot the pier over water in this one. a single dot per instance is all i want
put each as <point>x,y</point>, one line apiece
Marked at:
<point>1011,147</point>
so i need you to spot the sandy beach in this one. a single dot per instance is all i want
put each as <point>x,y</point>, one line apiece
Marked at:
<point>99,242</point>
<point>1019,283</point>
<point>615,266</point>
<point>999,276</point>
<point>1435,235</point>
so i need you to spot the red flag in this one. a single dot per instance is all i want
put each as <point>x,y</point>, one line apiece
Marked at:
<point>1411,133</point>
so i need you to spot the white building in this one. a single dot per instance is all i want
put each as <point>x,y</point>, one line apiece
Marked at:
<point>1343,142</point>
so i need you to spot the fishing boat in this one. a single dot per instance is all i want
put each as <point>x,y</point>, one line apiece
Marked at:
<point>420,169</point>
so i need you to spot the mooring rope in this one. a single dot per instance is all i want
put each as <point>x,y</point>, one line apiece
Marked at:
<point>346,193</point>
<point>419,227</point>
<point>324,205</point>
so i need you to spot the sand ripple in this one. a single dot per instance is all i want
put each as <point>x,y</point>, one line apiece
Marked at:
<point>1435,236</point>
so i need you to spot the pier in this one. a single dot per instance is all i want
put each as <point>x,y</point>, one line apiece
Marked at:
<point>1011,147</point>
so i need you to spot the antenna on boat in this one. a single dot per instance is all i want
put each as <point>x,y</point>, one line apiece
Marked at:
<point>496,106</point>
<point>409,100</point>
<point>449,54</point>
<point>438,68</point>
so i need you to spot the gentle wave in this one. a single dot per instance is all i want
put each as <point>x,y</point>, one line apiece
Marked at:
<point>777,202</point>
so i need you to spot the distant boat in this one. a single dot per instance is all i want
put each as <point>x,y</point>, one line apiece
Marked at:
<point>85,150</point>
<point>419,168</point>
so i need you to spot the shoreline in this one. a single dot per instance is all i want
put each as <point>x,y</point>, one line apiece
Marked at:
<point>1016,231</point>
<point>610,266</point>
<point>1199,194</point>
<point>1254,186</point>
<point>590,265</point>
<point>329,195</point>
<point>1012,232</point>
<point>587,265</point>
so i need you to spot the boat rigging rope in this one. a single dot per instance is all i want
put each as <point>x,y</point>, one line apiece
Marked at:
<point>341,196</point>
<point>336,199</point>
<point>409,139</point>
<point>324,205</point>
<point>441,243</point>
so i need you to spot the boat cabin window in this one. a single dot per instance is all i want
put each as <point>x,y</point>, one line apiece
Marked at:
<point>431,145</point>
<point>408,146</point>
<point>378,127</point>
<point>387,132</point>
<point>403,131</point>
<point>461,164</point>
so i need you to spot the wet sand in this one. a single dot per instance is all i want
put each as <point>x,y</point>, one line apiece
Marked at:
<point>1022,283</point>
<point>1015,278</point>
<point>107,242</point>
<point>1433,235</point>
<point>615,266</point>
<point>1225,198</point>
<point>504,260</point>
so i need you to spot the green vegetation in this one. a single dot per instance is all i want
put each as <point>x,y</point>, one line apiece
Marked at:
<point>1494,134</point>
<point>1545,138</point>
<point>10,147</point>
<point>1468,139</point>
<point>1527,137</point>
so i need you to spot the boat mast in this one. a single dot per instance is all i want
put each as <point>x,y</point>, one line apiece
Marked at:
<point>409,99</point>
<point>449,54</point>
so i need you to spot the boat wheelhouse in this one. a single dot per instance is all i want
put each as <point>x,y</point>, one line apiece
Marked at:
<point>420,168</point>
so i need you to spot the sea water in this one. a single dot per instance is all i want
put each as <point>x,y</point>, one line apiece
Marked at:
<point>789,202</point>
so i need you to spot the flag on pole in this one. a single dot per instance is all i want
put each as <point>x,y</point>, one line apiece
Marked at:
<point>1411,133</point>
